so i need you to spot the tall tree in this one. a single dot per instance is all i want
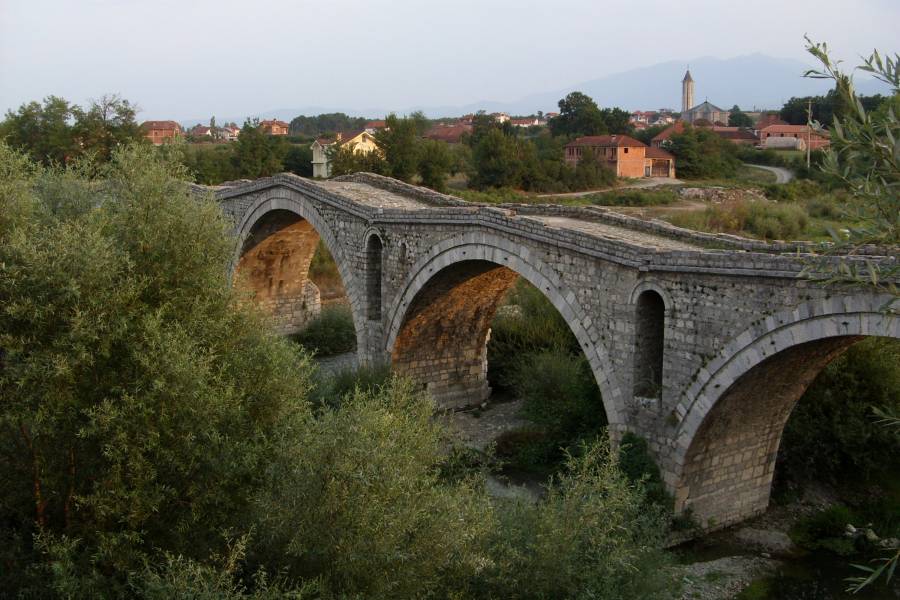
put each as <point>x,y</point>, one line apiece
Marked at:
<point>398,145</point>
<point>257,154</point>
<point>738,118</point>
<point>578,115</point>
<point>44,131</point>
<point>108,123</point>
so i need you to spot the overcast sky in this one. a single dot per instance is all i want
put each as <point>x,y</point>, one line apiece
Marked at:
<point>185,58</point>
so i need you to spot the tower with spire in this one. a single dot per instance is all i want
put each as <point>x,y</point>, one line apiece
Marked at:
<point>687,92</point>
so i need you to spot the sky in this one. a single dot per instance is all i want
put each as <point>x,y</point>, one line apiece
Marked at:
<point>187,58</point>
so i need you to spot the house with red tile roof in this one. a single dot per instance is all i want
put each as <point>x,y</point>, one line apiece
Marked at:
<point>159,132</point>
<point>623,155</point>
<point>736,135</point>
<point>780,136</point>
<point>275,127</point>
<point>449,133</point>
<point>665,134</point>
<point>377,125</point>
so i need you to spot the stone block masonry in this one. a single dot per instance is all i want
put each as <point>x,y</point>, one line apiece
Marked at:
<point>700,343</point>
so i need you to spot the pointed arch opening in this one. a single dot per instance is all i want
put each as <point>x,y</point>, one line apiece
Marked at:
<point>732,432</point>
<point>286,268</point>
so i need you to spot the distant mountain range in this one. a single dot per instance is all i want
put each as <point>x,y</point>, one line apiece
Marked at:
<point>755,81</point>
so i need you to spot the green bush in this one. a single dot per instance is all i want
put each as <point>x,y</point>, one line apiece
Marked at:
<point>593,536</point>
<point>560,393</point>
<point>333,387</point>
<point>638,465</point>
<point>331,332</point>
<point>493,196</point>
<point>633,198</point>
<point>765,220</point>
<point>144,392</point>
<point>825,530</point>
<point>358,502</point>
<point>150,417</point>
<point>798,189</point>
<point>832,432</point>
<point>528,323</point>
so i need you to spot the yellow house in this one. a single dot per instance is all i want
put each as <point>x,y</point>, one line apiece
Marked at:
<point>361,142</point>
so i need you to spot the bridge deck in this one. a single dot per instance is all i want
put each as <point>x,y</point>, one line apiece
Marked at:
<point>380,198</point>
<point>617,234</point>
<point>371,195</point>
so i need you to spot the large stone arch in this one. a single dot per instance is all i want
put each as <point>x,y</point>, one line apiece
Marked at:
<point>733,415</point>
<point>481,251</point>
<point>284,200</point>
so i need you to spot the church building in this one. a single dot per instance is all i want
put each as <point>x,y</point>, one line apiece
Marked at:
<point>704,110</point>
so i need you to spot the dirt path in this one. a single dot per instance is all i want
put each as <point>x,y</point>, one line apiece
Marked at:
<point>781,175</point>
<point>646,182</point>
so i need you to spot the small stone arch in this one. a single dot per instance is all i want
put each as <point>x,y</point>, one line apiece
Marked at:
<point>374,253</point>
<point>495,250</point>
<point>733,415</point>
<point>290,201</point>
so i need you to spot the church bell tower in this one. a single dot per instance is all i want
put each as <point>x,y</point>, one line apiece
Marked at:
<point>687,92</point>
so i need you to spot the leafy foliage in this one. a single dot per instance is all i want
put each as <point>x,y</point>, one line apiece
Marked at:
<point>863,156</point>
<point>138,395</point>
<point>331,332</point>
<point>57,131</point>
<point>701,154</point>
<point>830,438</point>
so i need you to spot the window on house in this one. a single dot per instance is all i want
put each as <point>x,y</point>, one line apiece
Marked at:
<point>650,320</point>
<point>626,150</point>
<point>374,249</point>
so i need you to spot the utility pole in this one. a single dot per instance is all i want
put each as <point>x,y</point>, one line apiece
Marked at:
<point>808,130</point>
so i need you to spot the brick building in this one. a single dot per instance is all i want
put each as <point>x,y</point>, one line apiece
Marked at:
<point>623,155</point>
<point>275,127</point>
<point>159,132</point>
<point>775,135</point>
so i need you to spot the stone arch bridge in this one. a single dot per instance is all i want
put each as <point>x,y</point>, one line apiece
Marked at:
<point>700,343</point>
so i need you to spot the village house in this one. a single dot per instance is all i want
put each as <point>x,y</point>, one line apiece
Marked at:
<point>449,133</point>
<point>527,122</point>
<point>360,142</point>
<point>373,126</point>
<point>159,132</point>
<point>660,138</point>
<point>199,131</point>
<point>624,155</point>
<point>736,135</point>
<point>229,133</point>
<point>797,137</point>
<point>275,127</point>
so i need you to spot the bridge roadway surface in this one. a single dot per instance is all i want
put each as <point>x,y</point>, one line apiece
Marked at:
<point>384,199</point>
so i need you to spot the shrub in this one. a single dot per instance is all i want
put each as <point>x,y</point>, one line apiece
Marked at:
<point>638,465</point>
<point>527,324</point>
<point>760,219</point>
<point>358,502</point>
<point>592,537</point>
<point>331,332</point>
<point>145,393</point>
<point>798,189</point>
<point>493,196</point>
<point>825,530</point>
<point>633,198</point>
<point>559,392</point>
<point>829,437</point>
<point>334,387</point>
